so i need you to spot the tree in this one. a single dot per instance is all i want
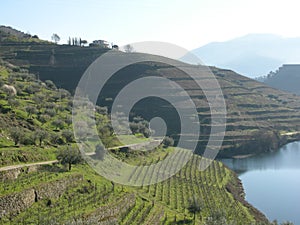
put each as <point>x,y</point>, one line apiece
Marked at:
<point>13,102</point>
<point>30,110</point>
<point>68,136</point>
<point>115,47</point>
<point>83,42</point>
<point>168,141</point>
<point>128,48</point>
<point>44,118</point>
<point>194,206</point>
<point>41,135</point>
<point>69,156</point>
<point>101,110</point>
<point>16,134</point>
<point>56,139</point>
<point>55,38</point>
<point>58,124</point>
<point>68,120</point>
<point>50,84</point>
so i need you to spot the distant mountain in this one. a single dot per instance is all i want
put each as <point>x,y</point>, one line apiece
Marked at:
<point>251,55</point>
<point>286,78</point>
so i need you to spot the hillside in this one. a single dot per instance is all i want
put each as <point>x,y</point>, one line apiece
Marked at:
<point>36,126</point>
<point>286,78</point>
<point>50,194</point>
<point>252,107</point>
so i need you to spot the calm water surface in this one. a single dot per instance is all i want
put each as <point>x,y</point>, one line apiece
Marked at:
<point>272,182</point>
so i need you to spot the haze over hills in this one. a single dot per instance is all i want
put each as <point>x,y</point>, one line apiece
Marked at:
<point>252,55</point>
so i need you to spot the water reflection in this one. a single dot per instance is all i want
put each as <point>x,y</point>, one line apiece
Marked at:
<point>288,157</point>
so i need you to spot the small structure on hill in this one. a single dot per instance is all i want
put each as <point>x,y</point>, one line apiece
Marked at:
<point>100,43</point>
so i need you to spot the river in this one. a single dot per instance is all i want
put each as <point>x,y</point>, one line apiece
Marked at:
<point>272,182</point>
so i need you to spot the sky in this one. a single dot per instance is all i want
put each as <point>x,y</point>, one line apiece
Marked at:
<point>187,23</point>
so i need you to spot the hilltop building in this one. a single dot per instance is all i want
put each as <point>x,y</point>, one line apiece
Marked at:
<point>100,43</point>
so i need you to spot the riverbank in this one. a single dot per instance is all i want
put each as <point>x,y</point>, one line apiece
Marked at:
<point>270,181</point>
<point>237,190</point>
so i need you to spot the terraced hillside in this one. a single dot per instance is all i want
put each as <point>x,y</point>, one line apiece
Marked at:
<point>36,119</point>
<point>50,195</point>
<point>54,195</point>
<point>252,107</point>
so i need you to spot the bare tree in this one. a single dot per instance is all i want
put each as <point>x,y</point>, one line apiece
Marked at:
<point>128,48</point>
<point>55,38</point>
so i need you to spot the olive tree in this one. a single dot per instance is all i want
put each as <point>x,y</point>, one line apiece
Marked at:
<point>16,134</point>
<point>41,135</point>
<point>68,156</point>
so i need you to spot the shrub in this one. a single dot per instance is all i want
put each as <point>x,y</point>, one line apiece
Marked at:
<point>139,125</point>
<point>68,120</point>
<point>58,124</point>
<point>43,118</point>
<point>168,141</point>
<point>56,139</point>
<point>50,84</point>
<point>50,112</point>
<point>30,89</point>
<point>13,102</point>
<point>102,110</point>
<point>30,110</point>
<point>28,139</point>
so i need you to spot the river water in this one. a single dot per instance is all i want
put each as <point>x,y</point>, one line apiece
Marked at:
<point>272,182</point>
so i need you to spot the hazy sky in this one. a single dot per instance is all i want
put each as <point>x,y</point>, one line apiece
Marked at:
<point>188,23</point>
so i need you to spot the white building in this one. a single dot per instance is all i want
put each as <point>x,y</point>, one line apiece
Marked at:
<point>100,43</point>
